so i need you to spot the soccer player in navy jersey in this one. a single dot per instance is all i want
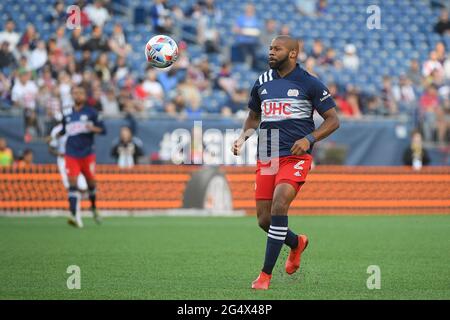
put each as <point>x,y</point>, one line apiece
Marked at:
<point>80,124</point>
<point>281,104</point>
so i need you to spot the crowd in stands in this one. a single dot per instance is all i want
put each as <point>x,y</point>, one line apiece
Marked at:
<point>37,75</point>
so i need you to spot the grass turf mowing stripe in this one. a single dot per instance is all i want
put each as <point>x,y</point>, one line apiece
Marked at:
<point>217,258</point>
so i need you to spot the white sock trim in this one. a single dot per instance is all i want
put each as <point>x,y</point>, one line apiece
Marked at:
<point>280,233</point>
<point>275,237</point>
<point>278,228</point>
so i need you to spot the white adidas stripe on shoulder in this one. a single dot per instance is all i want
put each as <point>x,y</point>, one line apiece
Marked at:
<point>266,76</point>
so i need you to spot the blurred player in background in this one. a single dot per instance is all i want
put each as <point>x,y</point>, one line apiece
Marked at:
<point>284,99</point>
<point>80,124</point>
<point>57,147</point>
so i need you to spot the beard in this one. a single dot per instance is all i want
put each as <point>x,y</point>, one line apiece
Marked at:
<point>276,64</point>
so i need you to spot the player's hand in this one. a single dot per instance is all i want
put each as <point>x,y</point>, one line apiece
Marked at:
<point>237,145</point>
<point>300,147</point>
<point>89,127</point>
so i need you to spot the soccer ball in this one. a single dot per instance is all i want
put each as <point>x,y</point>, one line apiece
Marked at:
<point>161,51</point>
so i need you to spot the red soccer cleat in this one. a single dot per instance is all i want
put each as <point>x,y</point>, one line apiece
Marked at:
<point>293,261</point>
<point>262,282</point>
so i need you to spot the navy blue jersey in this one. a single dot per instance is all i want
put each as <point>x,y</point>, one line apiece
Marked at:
<point>80,141</point>
<point>287,104</point>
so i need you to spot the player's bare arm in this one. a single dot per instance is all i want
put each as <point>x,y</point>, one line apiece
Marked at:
<point>94,129</point>
<point>53,151</point>
<point>250,124</point>
<point>330,124</point>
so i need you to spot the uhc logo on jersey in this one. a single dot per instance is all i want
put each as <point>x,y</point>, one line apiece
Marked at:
<point>285,109</point>
<point>276,108</point>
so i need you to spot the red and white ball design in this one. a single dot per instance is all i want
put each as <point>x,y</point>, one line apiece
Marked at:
<point>161,51</point>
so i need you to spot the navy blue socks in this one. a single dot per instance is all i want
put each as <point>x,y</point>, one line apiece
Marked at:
<point>92,192</point>
<point>275,239</point>
<point>74,197</point>
<point>291,239</point>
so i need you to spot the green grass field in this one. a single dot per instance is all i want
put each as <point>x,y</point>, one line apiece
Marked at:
<point>217,258</point>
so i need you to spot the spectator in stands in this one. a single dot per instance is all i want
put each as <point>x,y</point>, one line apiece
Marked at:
<point>97,14</point>
<point>46,79</point>
<point>58,13</point>
<point>110,105</point>
<point>247,29</point>
<point>62,42</point>
<point>25,160</point>
<point>225,80</point>
<point>5,89</point>
<point>118,42</point>
<point>191,96</point>
<point>404,92</point>
<point>22,52</point>
<point>236,102</point>
<point>447,68</point>
<point>270,32</point>
<point>120,69</point>
<point>443,25</point>
<point>432,64</point>
<point>128,149</point>
<point>285,30</point>
<point>30,37</point>
<point>352,99</point>
<point>102,68</point>
<point>168,80</point>
<point>387,97</point>
<point>71,69</point>
<point>57,58</point>
<point>94,99</point>
<point>97,41</point>
<point>306,7</point>
<point>329,59</point>
<point>7,59</point>
<point>200,74</point>
<point>176,106</point>
<point>153,88</point>
<point>350,59</point>
<point>302,55</point>
<point>207,27</point>
<point>374,106</point>
<point>440,52</point>
<point>65,87</point>
<point>317,51</point>
<point>322,7</point>
<point>77,39</point>
<point>160,15</point>
<point>38,57</point>
<point>170,109</point>
<point>85,63</point>
<point>414,73</point>
<point>343,106</point>
<point>178,18</point>
<point>429,109</point>
<point>49,100</point>
<point>9,35</point>
<point>6,154</point>
<point>24,95</point>
<point>415,154</point>
<point>310,65</point>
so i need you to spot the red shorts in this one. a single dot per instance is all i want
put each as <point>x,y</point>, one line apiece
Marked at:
<point>290,169</point>
<point>84,165</point>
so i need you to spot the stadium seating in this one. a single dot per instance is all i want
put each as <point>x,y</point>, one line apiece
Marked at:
<point>406,31</point>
